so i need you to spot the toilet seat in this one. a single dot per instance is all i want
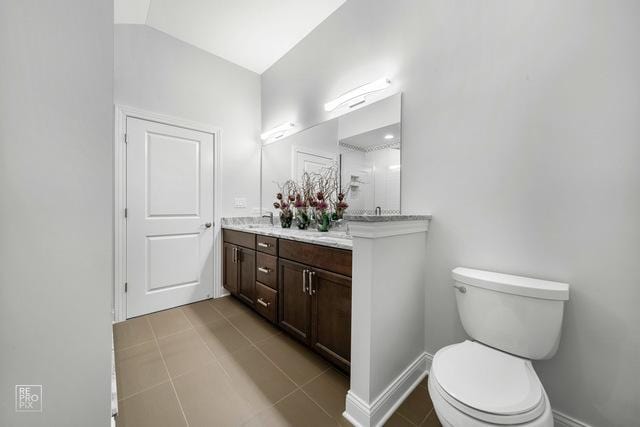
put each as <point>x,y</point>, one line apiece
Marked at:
<point>488,384</point>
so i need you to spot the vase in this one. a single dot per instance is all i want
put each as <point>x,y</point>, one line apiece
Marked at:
<point>323,221</point>
<point>285,219</point>
<point>312,217</point>
<point>302,219</point>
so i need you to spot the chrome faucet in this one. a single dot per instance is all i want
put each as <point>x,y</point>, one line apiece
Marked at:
<point>378,211</point>
<point>270,216</point>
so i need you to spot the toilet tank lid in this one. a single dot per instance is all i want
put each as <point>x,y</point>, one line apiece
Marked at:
<point>507,283</point>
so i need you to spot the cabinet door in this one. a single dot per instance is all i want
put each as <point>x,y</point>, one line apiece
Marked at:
<point>331,316</point>
<point>230,268</point>
<point>294,303</point>
<point>247,275</point>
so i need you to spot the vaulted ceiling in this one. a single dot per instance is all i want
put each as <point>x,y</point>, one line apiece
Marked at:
<point>251,33</point>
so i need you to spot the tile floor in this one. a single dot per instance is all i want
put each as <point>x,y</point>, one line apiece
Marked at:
<point>216,363</point>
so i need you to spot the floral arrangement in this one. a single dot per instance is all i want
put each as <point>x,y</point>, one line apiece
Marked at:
<point>316,196</point>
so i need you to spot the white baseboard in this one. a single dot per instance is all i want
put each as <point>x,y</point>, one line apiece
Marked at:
<point>361,414</point>
<point>562,420</point>
<point>429,361</point>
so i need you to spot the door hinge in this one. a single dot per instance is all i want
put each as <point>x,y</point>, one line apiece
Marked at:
<point>126,138</point>
<point>126,286</point>
<point>126,212</point>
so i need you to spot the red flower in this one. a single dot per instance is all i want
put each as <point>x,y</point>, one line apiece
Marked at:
<point>276,205</point>
<point>279,196</point>
<point>320,195</point>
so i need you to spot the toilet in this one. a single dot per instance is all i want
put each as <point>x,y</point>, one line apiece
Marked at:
<point>489,380</point>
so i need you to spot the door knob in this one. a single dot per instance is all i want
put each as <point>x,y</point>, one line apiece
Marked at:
<point>208,225</point>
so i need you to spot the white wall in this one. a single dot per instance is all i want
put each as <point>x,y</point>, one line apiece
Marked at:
<point>159,73</point>
<point>521,136</point>
<point>56,225</point>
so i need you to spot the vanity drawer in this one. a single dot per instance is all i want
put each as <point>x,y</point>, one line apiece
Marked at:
<point>330,259</point>
<point>239,238</point>
<point>266,244</point>
<point>267,270</point>
<point>266,302</point>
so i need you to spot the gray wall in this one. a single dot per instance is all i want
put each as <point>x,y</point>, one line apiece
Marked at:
<point>521,135</point>
<point>56,225</point>
<point>159,73</point>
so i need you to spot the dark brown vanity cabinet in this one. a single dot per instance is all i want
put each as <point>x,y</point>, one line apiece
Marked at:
<point>239,275</point>
<point>295,300</point>
<point>230,268</point>
<point>331,315</point>
<point>246,260</point>
<point>302,287</point>
<point>315,304</point>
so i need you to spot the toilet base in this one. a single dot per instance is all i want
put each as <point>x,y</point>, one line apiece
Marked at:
<point>450,416</point>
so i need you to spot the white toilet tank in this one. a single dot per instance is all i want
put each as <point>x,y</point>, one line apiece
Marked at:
<point>519,315</point>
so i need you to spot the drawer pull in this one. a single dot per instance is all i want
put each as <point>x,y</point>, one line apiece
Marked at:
<point>264,245</point>
<point>304,281</point>
<point>264,270</point>
<point>261,302</point>
<point>311,276</point>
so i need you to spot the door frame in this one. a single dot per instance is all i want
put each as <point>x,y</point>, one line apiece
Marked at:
<point>121,112</point>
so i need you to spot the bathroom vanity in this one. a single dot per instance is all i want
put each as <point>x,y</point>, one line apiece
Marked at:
<point>298,280</point>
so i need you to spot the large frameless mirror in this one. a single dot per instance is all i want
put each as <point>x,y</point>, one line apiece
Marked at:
<point>363,147</point>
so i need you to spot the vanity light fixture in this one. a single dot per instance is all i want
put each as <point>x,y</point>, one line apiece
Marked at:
<point>388,136</point>
<point>276,133</point>
<point>358,95</point>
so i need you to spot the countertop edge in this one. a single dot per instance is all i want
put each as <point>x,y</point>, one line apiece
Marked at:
<point>295,237</point>
<point>387,218</point>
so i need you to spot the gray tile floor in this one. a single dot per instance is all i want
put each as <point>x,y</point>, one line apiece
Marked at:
<point>216,363</point>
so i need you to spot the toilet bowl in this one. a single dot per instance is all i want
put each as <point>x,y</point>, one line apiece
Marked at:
<point>472,385</point>
<point>490,381</point>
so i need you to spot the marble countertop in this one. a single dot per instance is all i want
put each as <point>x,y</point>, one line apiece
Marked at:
<point>335,239</point>
<point>386,218</point>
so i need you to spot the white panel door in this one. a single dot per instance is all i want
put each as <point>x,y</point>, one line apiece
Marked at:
<point>169,216</point>
<point>311,161</point>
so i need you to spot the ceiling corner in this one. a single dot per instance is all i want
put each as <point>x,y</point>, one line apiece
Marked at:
<point>130,11</point>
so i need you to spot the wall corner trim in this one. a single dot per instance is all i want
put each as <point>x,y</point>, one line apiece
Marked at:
<point>360,414</point>
<point>563,420</point>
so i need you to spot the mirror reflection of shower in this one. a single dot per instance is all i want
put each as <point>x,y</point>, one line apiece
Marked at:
<point>370,168</point>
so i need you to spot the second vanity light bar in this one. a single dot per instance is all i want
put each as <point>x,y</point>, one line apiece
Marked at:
<point>358,95</point>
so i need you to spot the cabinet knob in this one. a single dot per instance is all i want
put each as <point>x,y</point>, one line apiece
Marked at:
<point>264,270</point>
<point>208,225</point>
<point>263,303</point>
